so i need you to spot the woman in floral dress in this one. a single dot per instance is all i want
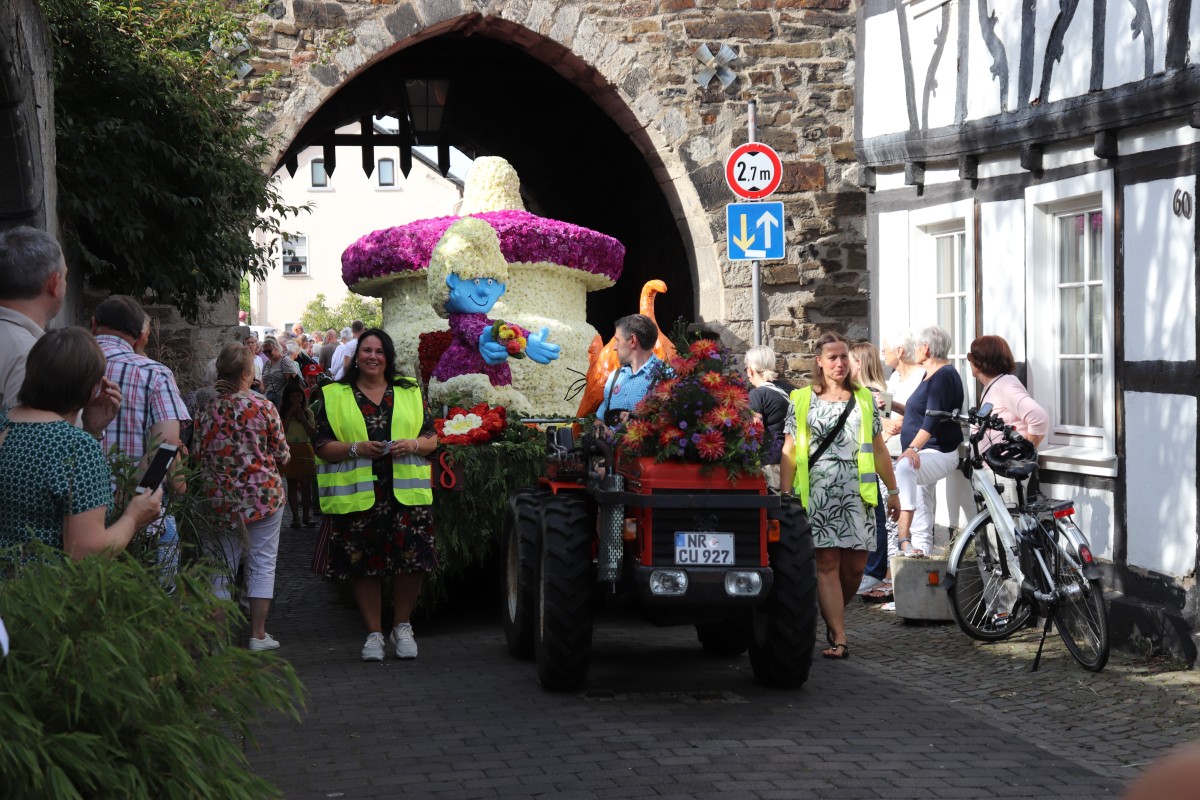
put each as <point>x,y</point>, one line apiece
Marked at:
<point>373,436</point>
<point>240,445</point>
<point>839,486</point>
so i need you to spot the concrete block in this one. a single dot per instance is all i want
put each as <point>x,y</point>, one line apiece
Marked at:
<point>917,583</point>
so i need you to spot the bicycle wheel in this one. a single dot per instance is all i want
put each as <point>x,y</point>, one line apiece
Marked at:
<point>1080,613</point>
<point>986,595</point>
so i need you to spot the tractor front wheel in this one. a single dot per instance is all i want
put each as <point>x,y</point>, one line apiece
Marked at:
<point>566,586</point>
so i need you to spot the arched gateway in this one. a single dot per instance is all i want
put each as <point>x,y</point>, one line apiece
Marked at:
<point>596,107</point>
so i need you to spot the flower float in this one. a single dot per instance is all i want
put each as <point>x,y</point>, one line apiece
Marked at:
<point>477,425</point>
<point>698,411</point>
<point>552,265</point>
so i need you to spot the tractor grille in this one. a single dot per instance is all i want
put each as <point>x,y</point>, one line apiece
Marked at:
<point>743,523</point>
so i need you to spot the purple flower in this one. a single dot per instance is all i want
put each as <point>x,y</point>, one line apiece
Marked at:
<point>524,237</point>
<point>683,424</point>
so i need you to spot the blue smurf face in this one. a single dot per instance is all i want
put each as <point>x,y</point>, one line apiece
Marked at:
<point>472,295</point>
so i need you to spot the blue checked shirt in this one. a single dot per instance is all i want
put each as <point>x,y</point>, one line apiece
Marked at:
<point>625,388</point>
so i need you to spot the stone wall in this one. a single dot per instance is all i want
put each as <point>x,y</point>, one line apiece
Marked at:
<point>635,59</point>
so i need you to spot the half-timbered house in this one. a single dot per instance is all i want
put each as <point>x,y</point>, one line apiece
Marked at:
<point>1032,170</point>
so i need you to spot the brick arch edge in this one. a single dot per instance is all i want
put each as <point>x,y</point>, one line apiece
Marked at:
<point>607,70</point>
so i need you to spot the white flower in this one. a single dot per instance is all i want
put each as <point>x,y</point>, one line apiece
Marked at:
<point>491,185</point>
<point>406,315</point>
<point>461,424</point>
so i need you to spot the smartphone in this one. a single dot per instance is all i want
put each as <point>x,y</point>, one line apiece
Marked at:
<point>886,399</point>
<point>157,471</point>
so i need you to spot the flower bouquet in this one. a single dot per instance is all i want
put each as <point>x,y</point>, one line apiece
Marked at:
<point>698,411</point>
<point>511,336</point>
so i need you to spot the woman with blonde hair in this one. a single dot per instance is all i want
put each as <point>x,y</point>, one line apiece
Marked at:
<point>828,461</point>
<point>240,445</point>
<point>768,400</point>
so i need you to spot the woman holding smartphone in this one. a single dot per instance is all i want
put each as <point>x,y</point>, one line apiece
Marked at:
<point>240,445</point>
<point>55,485</point>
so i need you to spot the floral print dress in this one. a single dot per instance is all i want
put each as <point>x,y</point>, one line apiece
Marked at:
<point>836,510</point>
<point>389,537</point>
<point>240,445</point>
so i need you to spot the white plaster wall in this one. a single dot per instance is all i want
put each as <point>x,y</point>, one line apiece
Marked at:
<point>1160,461</point>
<point>1093,515</point>
<point>1156,137</point>
<point>922,36</point>
<point>1004,282</point>
<point>1008,29</point>
<point>1124,56</point>
<point>1073,74</point>
<point>983,88</point>
<point>353,206</point>
<point>1160,273</point>
<point>894,280</point>
<point>1194,25</point>
<point>884,106</point>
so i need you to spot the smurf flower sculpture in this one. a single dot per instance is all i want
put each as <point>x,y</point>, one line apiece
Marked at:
<point>551,267</point>
<point>466,277</point>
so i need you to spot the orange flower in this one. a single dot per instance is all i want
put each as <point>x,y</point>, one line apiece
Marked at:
<point>712,380</point>
<point>682,366</point>
<point>670,435</point>
<point>704,348</point>
<point>734,396</point>
<point>721,416</point>
<point>711,446</point>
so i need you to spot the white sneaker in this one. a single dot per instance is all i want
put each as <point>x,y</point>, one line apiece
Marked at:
<point>869,582</point>
<point>373,649</point>
<point>266,643</point>
<point>402,641</point>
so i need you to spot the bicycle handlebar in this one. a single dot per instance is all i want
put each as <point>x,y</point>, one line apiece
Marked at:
<point>984,422</point>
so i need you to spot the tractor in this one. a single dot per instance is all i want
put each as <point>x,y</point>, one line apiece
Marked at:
<point>679,546</point>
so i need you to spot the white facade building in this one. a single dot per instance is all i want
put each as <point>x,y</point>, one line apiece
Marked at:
<point>1033,175</point>
<point>345,205</point>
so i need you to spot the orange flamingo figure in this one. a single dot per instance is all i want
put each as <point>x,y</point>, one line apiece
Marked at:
<point>602,360</point>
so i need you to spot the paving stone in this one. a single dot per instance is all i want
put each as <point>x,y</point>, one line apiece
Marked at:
<point>920,711</point>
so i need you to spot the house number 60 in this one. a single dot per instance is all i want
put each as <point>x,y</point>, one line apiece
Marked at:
<point>1182,204</point>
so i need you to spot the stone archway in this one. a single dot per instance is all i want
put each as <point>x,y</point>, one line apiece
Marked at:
<point>612,77</point>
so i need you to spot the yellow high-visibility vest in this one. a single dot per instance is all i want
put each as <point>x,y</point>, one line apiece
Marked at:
<point>348,486</point>
<point>868,485</point>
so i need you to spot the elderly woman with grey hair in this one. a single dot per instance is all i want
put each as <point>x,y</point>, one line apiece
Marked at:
<point>930,443</point>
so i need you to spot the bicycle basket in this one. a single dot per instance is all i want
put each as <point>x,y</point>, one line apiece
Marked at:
<point>1012,459</point>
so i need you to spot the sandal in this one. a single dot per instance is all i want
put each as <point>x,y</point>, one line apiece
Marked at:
<point>833,651</point>
<point>911,552</point>
<point>881,594</point>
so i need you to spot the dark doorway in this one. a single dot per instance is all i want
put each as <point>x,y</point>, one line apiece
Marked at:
<point>575,162</point>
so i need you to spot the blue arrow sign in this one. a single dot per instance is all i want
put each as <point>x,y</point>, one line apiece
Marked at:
<point>754,231</point>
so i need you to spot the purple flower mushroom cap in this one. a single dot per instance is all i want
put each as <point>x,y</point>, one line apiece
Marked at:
<point>405,250</point>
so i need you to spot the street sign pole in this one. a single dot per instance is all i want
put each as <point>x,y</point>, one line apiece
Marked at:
<point>755,270</point>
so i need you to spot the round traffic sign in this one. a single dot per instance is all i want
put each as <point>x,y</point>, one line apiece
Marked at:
<point>753,171</point>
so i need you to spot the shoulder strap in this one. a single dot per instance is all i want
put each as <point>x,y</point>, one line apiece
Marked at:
<point>828,440</point>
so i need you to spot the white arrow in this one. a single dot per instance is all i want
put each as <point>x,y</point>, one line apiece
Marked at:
<point>765,222</point>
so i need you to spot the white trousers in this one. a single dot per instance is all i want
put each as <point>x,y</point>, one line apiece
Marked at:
<point>917,492</point>
<point>261,552</point>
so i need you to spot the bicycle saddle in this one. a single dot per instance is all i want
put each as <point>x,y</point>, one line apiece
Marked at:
<point>1012,459</point>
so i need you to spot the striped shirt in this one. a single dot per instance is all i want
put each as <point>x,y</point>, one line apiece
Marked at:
<point>149,395</point>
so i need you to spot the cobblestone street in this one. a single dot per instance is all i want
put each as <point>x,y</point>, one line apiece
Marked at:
<point>918,711</point>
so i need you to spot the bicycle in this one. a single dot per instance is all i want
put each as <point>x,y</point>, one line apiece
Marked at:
<point>1012,562</point>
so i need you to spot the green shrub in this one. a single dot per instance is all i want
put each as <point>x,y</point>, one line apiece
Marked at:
<point>113,688</point>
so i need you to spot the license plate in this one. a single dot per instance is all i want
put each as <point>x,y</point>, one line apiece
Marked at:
<point>703,548</point>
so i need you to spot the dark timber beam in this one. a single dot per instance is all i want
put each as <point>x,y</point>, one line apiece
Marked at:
<point>866,178</point>
<point>968,168</point>
<point>1105,145</point>
<point>1155,99</point>
<point>914,173</point>
<point>1031,158</point>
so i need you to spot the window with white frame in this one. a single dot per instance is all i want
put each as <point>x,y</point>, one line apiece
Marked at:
<point>387,172</point>
<point>1069,252</point>
<point>319,178</point>
<point>942,279</point>
<point>295,256</point>
<point>955,298</point>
